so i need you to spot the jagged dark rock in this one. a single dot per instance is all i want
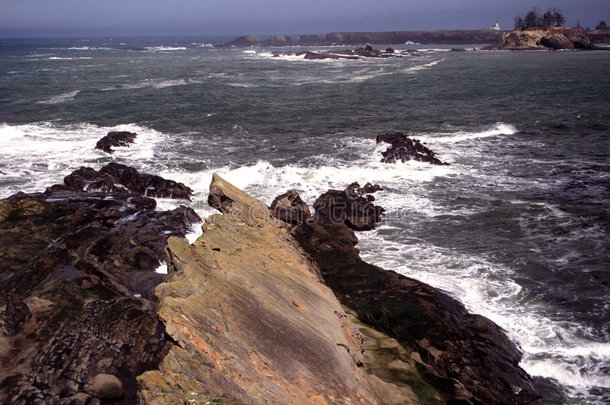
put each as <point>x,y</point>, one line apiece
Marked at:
<point>119,179</point>
<point>290,208</point>
<point>465,356</point>
<point>83,266</point>
<point>404,148</point>
<point>350,206</point>
<point>115,138</point>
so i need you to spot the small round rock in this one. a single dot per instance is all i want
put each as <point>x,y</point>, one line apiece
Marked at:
<point>105,386</point>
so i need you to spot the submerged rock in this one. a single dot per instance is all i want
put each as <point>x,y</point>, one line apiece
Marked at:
<point>78,273</point>
<point>115,138</point>
<point>404,149</point>
<point>116,178</point>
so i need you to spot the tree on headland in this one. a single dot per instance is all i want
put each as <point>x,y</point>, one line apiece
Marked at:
<point>601,26</point>
<point>533,19</point>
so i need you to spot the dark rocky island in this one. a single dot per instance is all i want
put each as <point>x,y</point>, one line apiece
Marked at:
<point>115,138</point>
<point>258,310</point>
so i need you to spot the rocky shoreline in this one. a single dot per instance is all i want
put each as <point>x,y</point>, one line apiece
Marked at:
<point>269,305</point>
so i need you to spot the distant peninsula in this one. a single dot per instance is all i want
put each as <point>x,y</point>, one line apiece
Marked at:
<point>457,37</point>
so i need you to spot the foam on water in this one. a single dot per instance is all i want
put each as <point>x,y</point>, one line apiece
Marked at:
<point>35,156</point>
<point>60,98</point>
<point>498,129</point>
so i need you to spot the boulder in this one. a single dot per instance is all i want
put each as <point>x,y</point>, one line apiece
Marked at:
<point>404,149</point>
<point>351,206</point>
<point>105,386</point>
<point>115,138</point>
<point>117,178</point>
<point>290,208</point>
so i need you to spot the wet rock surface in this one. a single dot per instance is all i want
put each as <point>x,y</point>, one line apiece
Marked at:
<point>76,291</point>
<point>353,207</point>
<point>115,138</point>
<point>403,149</point>
<point>466,357</point>
<point>116,178</point>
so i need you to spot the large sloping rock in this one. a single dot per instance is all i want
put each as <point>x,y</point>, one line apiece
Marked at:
<point>77,277</point>
<point>251,320</point>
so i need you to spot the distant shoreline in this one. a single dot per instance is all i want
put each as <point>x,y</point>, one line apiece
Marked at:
<point>450,37</point>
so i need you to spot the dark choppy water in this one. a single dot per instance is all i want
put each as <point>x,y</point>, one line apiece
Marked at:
<point>516,228</point>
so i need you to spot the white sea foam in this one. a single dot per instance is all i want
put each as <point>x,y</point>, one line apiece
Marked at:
<point>65,58</point>
<point>154,83</point>
<point>60,98</point>
<point>498,129</point>
<point>38,155</point>
<point>166,48</point>
<point>552,348</point>
<point>162,269</point>
<point>423,66</point>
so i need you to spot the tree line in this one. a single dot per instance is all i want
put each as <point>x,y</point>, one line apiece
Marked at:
<point>536,19</point>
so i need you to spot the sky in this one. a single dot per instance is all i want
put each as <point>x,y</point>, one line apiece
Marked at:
<point>239,17</point>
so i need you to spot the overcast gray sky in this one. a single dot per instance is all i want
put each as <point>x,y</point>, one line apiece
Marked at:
<point>234,17</point>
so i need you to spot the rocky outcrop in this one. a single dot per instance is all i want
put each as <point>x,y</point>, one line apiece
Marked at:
<point>120,138</point>
<point>550,38</point>
<point>353,207</point>
<point>251,321</point>
<point>76,293</point>
<point>466,357</point>
<point>289,207</point>
<point>404,149</point>
<point>117,178</point>
<point>601,36</point>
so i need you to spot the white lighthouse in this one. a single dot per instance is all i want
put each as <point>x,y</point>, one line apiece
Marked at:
<point>496,26</point>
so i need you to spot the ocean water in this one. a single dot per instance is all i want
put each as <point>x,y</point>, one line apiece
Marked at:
<point>516,227</point>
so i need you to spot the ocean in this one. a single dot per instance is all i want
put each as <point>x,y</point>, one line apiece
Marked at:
<point>516,227</point>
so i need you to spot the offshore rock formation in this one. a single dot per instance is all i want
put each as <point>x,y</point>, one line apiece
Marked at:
<point>549,38</point>
<point>353,207</point>
<point>76,293</point>
<point>458,37</point>
<point>404,149</point>
<point>115,138</point>
<point>289,207</point>
<point>466,357</point>
<point>251,320</point>
<point>120,179</point>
